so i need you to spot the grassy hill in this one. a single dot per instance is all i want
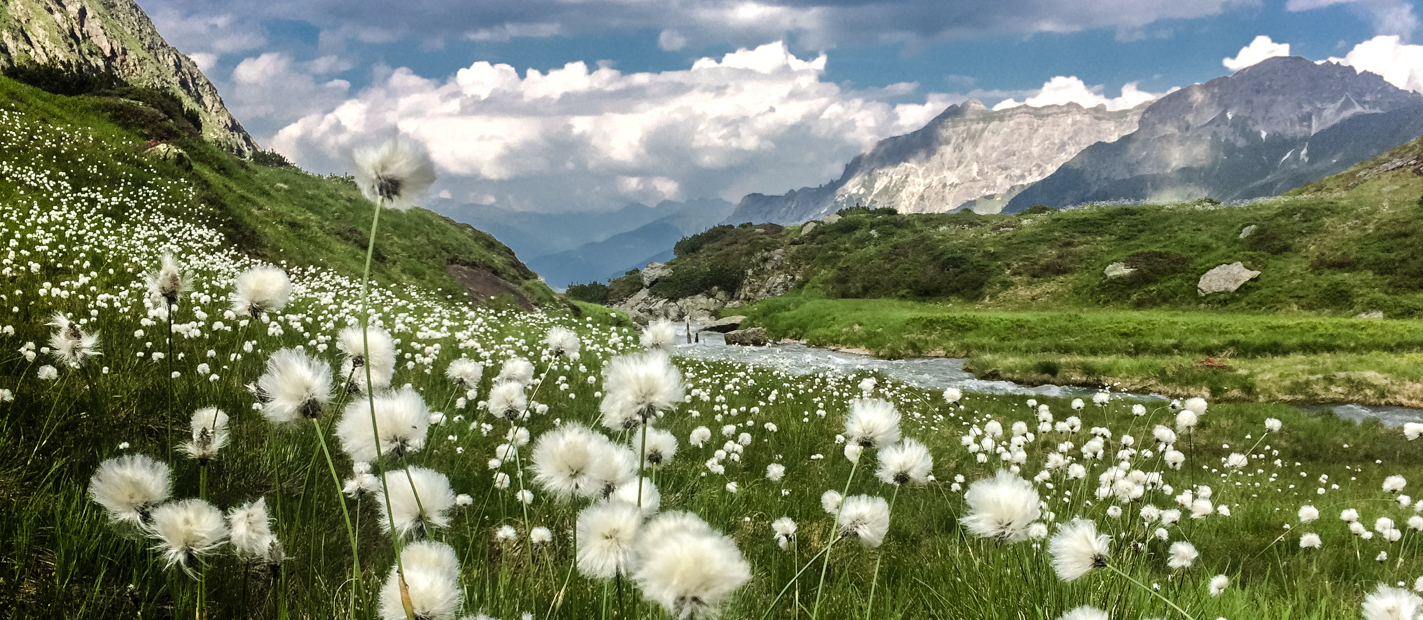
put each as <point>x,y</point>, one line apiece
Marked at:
<point>275,213</point>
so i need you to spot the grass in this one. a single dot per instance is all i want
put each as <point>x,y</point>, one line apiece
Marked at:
<point>1239,357</point>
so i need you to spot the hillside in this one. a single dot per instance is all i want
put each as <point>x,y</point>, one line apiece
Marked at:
<point>276,213</point>
<point>115,36</point>
<point>967,157</point>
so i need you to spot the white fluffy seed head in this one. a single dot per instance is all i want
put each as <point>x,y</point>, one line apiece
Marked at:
<point>516,370</point>
<point>562,341</point>
<point>400,415</point>
<point>688,568</point>
<point>251,530</point>
<point>659,335</point>
<point>129,487</point>
<point>295,385</point>
<point>1183,555</point>
<point>168,282</point>
<point>1085,613</point>
<point>209,426</point>
<point>865,519</point>
<point>1386,603</point>
<point>394,173</point>
<point>565,460</point>
<point>187,529</point>
<point>1077,549</point>
<point>1196,406</point>
<point>431,580</point>
<point>905,462</point>
<point>628,493</point>
<point>353,342</point>
<point>1001,507</point>
<point>70,344</point>
<point>435,496</point>
<point>507,400</point>
<point>465,372</point>
<point>606,534</point>
<point>872,423</point>
<point>263,288</point>
<point>661,445</point>
<point>639,387</point>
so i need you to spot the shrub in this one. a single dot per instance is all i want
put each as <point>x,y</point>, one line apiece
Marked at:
<point>271,159</point>
<point>64,78</point>
<point>592,292</point>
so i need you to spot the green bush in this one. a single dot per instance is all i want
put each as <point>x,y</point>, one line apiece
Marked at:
<point>691,280</point>
<point>64,78</point>
<point>592,292</point>
<point>271,159</point>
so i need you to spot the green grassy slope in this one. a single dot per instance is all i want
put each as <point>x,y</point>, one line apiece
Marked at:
<point>274,214</point>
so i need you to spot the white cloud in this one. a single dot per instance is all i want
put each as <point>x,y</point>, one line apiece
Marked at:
<point>755,120</point>
<point>1390,17</point>
<point>1259,49</point>
<point>269,91</point>
<point>1399,64</point>
<point>1070,89</point>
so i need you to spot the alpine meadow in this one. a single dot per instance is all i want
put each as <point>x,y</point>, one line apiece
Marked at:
<point>233,388</point>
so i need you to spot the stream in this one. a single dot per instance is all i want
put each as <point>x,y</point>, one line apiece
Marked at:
<point>938,373</point>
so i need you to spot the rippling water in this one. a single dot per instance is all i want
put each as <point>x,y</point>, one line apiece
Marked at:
<point>939,373</point>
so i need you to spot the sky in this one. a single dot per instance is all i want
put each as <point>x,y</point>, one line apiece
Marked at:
<point>576,105</point>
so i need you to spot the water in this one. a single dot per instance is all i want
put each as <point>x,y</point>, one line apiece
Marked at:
<point>939,373</point>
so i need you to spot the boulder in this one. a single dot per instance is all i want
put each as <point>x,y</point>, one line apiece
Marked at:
<point>753,337</point>
<point>1224,279</point>
<point>831,219</point>
<point>1245,232</point>
<point>809,226</point>
<point>1117,270</point>
<point>655,272</point>
<point>724,324</point>
<point>698,307</point>
<point>1372,314</point>
<point>171,154</point>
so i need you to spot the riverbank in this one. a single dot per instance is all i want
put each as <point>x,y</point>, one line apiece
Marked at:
<point>1296,359</point>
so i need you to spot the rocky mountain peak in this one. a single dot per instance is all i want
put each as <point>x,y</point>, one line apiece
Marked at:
<point>115,35</point>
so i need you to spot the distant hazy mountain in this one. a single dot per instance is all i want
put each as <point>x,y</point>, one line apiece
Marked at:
<point>968,156</point>
<point>619,253</point>
<point>1264,130</point>
<point>537,234</point>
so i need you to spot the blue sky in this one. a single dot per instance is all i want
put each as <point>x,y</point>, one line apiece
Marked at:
<point>701,98</point>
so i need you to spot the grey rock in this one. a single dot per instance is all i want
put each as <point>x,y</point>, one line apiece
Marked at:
<point>1225,279</point>
<point>724,324</point>
<point>170,154</point>
<point>655,272</point>
<point>809,226</point>
<point>752,337</point>
<point>1372,314</point>
<point>1245,232</point>
<point>1117,270</point>
<point>698,307</point>
<point>830,219</point>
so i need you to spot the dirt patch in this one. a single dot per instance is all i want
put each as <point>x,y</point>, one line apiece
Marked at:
<point>481,284</point>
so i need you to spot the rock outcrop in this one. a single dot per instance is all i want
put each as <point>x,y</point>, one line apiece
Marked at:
<point>968,156</point>
<point>769,276</point>
<point>116,35</point>
<point>1225,279</point>
<point>753,337</point>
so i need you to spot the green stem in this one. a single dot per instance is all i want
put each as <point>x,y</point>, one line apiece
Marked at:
<point>875,580</point>
<point>1149,591</point>
<point>834,536</point>
<point>809,563</point>
<point>371,399</point>
<point>350,531</point>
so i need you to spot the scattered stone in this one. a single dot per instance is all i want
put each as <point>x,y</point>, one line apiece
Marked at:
<point>1245,232</point>
<point>831,219</point>
<point>655,272</point>
<point>282,186</point>
<point>1372,314</point>
<point>809,226</point>
<point>1117,270</point>
<point>171,154</point>
<point>753,337</point>
<point>724,324</point>
<point>1225,278</point>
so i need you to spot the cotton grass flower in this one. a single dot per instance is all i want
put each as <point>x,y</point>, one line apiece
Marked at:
<point>638,387</point>
<point>435,497</point>
<point>562,342</point>
<point>830,501</point>
<point>687,567</point>
<point>905,462</point>
<point>431,581</point>
<point>661,445</point>
<point>251,533</point>
<point>353,342</point>
<point>294,385</point>
<point>1183,555</point>
<point>507,400</point>
<point>566,460</point>
<point>1001,507</point>
<point>639,490</point>
<point>1196,406</point>
<point>1308,514</point>
<point>187,529</point>
<point>952,395</point>
<point>1085,613</point>
<point>129,487</point>
<point>864,518</point>
<point>1394,484</point>
<point>168,281</point>
<point>465,372</point>
<point>659,335</point>
<point>1386,603</point>
<point>261,289</point>
<point>1077,549</point>
<point>784,529</point>
<point>1310,541</point>
<point>401,417</point>
<point>606,534</point>
<point>70,344</point>
<point>395,173</point>
<point>872,423</point>
<point>516,370</point>
<point>210,434</point>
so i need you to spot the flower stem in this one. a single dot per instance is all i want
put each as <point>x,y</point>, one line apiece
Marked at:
<point>869,607</point>
<point>350,531</point>
<point>834,536</point>
<point>1149,591</point>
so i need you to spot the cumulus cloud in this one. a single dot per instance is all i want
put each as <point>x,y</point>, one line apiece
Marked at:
<point>1390,17</point>
<point>271,90</point>
<point>811,24</point>
<point>1399,64</point>
<point>758,119</point>
<point>1259,49</point>
<point>1070,89</point>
